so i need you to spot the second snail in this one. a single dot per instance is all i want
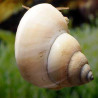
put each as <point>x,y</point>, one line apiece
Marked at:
<point>46,54</point>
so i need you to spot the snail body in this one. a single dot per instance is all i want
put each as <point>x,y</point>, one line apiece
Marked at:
<point>46,54</point>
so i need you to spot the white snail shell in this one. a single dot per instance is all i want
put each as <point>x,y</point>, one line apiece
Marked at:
<point>46,54</point>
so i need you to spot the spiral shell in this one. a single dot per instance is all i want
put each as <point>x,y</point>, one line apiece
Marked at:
<point>46,54</point>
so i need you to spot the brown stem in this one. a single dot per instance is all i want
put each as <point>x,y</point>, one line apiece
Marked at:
<point>62,8</point>
<point>27,8</point>
<point>58,8</point>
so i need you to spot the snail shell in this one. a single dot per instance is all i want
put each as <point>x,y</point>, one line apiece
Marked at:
<point>46,54</point>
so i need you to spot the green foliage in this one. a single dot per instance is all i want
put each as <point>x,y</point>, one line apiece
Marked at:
<point>12,85</point>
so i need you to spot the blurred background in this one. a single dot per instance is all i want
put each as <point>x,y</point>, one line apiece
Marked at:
<point>83,25</point>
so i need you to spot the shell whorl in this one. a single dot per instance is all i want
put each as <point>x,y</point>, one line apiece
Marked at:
<point>66,63</point>
<point>34,40</point>
<point>86,74</point>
